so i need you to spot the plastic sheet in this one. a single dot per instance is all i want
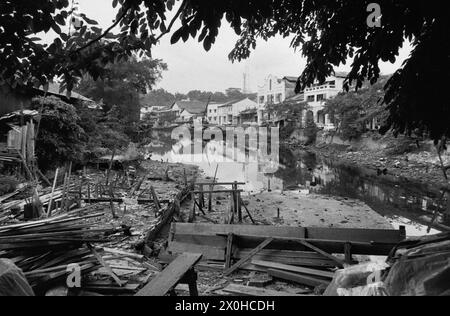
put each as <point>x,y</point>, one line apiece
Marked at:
<point>12,280</point>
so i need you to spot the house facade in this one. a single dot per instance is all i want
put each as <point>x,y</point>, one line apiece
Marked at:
<point>317,94</point>
<point>231,112</point>
<point>188,110</point>
<point>212,113</point>
<point>274,90</point>
<point>225,112</point>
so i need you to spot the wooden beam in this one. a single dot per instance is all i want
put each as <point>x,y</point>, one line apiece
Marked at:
<point>171,276</point>
<point>254,291</point>
<point>297,278</point>
<point>290,268</point>
<point>229,251</point>
<point>155,198</point>
<point>220,183</point>
<point>248,257</point>
<point>325,254</point>
<point>217,191</point>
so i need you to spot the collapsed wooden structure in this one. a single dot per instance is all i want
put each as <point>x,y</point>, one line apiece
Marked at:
<point>305,255</point>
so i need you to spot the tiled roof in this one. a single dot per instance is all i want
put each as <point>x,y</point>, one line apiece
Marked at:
<point>291,78</point>
<point>53,88</point>
<point>192,107</point>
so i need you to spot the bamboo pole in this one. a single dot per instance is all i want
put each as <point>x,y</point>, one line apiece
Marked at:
<point>49,209</point>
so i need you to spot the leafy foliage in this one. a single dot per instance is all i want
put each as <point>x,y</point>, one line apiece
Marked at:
<point>310,130</point>
<point>326,31</point>
<point>7,185</point>
<point>349,109</point>
<point>122,84</point>
<point>60,137</point>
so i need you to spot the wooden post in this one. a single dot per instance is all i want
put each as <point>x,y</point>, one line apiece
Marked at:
<point>348,253</point>
<point>239,205</point>
<point>248,213</point>
<point>192,214</point>
<point>229,251</point>
<point>110,167</point>
<point>211,188</point>
<point>111,203</point>
<point>49,209</point>
<point>89,191</point>
<point>80,192</point>
<point>201,197</point>
<point>252,253</point>
<point>155,198</point>
<point>185,177</point>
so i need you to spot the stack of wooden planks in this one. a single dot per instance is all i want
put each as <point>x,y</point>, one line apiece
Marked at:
<point>44,248</point>
<point>221,245</point>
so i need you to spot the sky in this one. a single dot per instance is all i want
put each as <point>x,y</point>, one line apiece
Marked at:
<point>192,68</point>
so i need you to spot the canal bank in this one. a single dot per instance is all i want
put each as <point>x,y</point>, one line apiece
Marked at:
<point>303,179</point>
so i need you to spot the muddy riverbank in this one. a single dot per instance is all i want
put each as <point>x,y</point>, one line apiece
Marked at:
<point>420,166</point>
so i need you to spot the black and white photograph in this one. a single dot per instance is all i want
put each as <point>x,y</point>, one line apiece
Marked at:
<point>227,155</point>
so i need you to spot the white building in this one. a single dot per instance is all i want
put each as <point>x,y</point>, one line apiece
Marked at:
<point>274,91</point>
<point>230,113</point>
<point>225,112</point>
<point>212,113</point>
<point>316,96</point>
<point>189,110</point>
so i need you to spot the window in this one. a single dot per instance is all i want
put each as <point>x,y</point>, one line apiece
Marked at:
<point>270,85</point>
<point>321,97</point>
<point>261,99</point>
<point>279,97</point>
<point>310,98</point>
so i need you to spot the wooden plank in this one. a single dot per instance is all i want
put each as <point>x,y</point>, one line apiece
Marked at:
<point>254,291</point>
<point>294,269</point>
<point>297,278</point>
<point>209,253</point>
<point>241,262</point>
<point>229,251</point>
<point>355,235</point>
<point>302,258</point>
<point>220,183</point>
<point>324,253</point>
<point>171,276</point>
<point>201,229</point>
<point>367,236</point>
<point>216,191</point>
<point>155,198</point>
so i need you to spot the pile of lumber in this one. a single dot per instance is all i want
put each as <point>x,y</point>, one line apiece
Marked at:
<point>221,245</point>
<point>44,248</point>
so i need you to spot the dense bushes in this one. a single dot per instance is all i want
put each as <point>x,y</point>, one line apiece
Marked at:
<point>60,137</point>
<point>76,134</point>
<point>7,185</point>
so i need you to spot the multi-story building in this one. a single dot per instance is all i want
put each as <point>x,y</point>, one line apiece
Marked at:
<point>317,94</point>
<point>230,113</point>
<point>225,114</point>
<point>212,113</point>
<point>277,91</point>
<point>189,110</point>
<point>274,91</point>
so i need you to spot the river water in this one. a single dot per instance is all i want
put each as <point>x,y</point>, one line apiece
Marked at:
<point>403,203</point>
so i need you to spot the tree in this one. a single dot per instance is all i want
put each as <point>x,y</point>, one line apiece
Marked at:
<point>122,85</point>
<point>158,98</point>
<point>60,138</point>
<point>326,31</point>
<point>348,109</point>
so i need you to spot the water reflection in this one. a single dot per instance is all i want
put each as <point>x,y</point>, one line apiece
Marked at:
<point>402,203</point>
